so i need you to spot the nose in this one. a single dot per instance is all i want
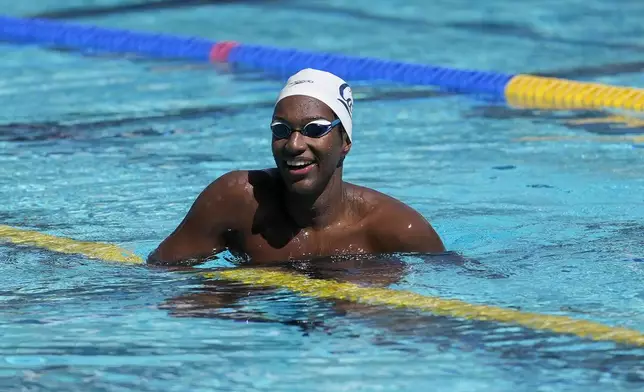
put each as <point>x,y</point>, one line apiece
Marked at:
<point>296,144</point>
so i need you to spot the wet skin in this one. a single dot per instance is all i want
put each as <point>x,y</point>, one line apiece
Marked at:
<point>313,222</point>
<point>290,213</point>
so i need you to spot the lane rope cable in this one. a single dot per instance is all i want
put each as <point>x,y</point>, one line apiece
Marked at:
<point>521,91</point>
<point>332,290</point>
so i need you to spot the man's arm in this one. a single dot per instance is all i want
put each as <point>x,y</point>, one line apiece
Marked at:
<point>397,227</point>
<point>200,234</point>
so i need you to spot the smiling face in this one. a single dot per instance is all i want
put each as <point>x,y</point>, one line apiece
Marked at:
<point>306,164</point>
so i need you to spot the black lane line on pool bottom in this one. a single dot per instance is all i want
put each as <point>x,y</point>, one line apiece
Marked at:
<point>594,70</point>
<point>89,12</point>
<point>505,29</point>
<point>36,131</point>
<point>561,117</point>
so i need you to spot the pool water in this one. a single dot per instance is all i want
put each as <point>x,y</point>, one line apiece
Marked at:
<point>547,207</point>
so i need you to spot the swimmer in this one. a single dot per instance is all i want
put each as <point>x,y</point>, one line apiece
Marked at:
<point>301,209</point>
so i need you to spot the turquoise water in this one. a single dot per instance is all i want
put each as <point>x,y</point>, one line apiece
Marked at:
<point>106,149</point>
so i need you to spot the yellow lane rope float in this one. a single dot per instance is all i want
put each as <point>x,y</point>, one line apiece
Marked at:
<point>526,91</point>
<point>332,290</point>
<point>93,250</point>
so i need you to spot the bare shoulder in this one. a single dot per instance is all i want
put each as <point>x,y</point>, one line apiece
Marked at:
<point>233,183</point>
<point>220,191</point>
<point>200,233</point>
<point>241,184</point>
<point>214,202</point>
<point>238,189</point>
<point>394,226</point>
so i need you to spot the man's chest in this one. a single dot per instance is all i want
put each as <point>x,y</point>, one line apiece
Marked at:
<point>279,241</point>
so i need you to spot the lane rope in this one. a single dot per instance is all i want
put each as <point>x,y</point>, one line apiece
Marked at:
<point>523,91</point>
<point>332,290</point>
<point>92,250</point>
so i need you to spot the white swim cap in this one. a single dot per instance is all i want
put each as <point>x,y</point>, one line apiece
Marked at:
<point>326,87</point>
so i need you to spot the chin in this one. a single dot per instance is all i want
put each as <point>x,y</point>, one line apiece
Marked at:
<point>301,187</point>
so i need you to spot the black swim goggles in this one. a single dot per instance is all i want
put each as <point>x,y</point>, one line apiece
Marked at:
<point>316,128</point>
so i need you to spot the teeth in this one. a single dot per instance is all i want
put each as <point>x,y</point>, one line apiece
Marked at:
<point>298,163</point>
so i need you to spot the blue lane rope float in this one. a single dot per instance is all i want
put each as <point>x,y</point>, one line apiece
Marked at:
<point>288,61</point>
<point>92,38</point>
<point>275,60</point>
<point>523,91</point>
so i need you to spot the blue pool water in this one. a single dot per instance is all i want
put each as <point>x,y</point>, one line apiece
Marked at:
<point>548,205</point>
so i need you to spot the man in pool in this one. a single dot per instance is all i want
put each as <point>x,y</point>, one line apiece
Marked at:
<point>302,209</point>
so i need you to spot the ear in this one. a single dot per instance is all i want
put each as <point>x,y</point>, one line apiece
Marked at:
<point>346,147</point>
<point>346,144</point>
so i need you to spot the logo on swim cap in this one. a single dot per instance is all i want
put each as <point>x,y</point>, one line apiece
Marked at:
<point>296,82</point>
<point>348,100</point>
